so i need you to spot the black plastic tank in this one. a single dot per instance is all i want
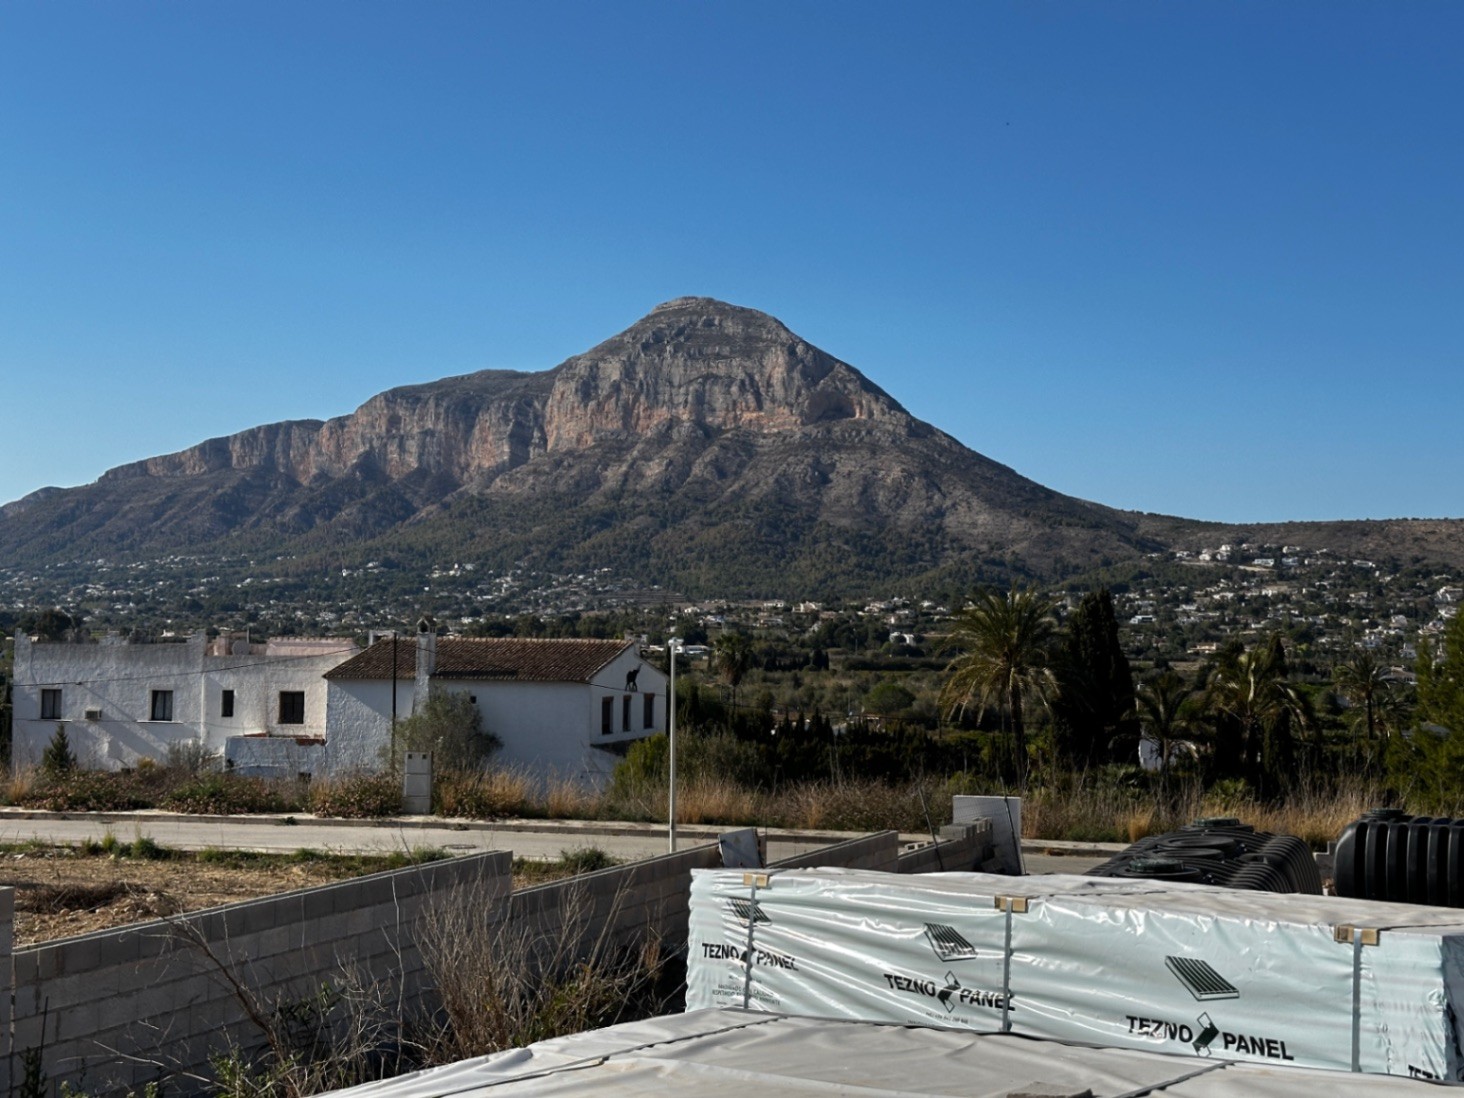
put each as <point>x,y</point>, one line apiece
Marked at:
<point>1220,851</point>
<point>1390,855</point>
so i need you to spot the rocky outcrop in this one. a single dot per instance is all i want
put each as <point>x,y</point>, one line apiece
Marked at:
<point>691,363</point>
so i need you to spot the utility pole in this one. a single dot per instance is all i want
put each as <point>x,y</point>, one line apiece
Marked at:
<point>673,646</point>
<point>393,696</point>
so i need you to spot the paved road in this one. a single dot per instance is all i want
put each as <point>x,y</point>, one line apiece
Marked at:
<point>538,839</point>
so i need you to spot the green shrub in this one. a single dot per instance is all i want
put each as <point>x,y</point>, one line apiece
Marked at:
<point>451,728</point>
<point>359,796</point>
<point>586,859</point>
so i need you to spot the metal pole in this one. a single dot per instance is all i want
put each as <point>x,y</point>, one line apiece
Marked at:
<point>672,646</point>
<point>393,697</point>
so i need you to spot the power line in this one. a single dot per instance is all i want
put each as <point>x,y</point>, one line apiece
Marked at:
<point>261,661</point>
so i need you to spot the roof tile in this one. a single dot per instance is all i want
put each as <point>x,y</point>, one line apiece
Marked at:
<point>514,658</point>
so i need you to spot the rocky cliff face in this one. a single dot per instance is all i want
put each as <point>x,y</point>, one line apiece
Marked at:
<point>693,363</point>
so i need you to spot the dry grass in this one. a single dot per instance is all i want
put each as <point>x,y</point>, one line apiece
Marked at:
<point>713,800</point>
<point>19,785</point>
<point>506,983</point>
<point>486,795</point>
<point>858,805</point>
<point>1096,812</point>
<point>569,800</point>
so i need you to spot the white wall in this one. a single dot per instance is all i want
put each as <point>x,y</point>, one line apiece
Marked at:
<point>550,730</point>
<point>117,680</point>
<point>358,722</point>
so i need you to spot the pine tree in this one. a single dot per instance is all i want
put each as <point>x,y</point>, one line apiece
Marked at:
<point>58,759</point>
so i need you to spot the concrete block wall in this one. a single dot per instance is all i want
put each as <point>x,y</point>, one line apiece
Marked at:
<point>878,851</point>
<point>961,847</point>
<point>630,901</point>
<point>116,1009</point>
<point>7,937</point>
<point>165,991</point>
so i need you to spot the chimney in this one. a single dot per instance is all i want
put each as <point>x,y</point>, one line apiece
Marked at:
<point>426,661</point>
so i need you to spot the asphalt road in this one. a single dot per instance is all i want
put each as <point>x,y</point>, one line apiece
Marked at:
<point>538,839</point>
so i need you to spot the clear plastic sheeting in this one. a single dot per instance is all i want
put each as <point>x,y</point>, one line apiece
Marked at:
<point>716,1053</point>
<point>1211,974</point>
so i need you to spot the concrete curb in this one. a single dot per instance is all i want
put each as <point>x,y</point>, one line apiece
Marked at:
<point>568,828</point>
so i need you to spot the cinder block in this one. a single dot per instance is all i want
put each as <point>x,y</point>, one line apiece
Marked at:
<point>76,1021</point>
<point>362,922</point>
<point>276,940</point>
<point>27,1032</point>
<point>68,991</point>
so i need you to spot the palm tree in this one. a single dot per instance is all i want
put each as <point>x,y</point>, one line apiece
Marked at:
<point>1251,692</point>
<point>1363,680</point>
<point>1006,643</point>
<point>1165,713</point>
<point>734,659</point>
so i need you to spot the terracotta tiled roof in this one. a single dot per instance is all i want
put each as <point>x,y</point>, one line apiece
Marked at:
<point>488,658</point>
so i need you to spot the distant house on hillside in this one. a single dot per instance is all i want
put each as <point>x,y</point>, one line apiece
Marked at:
<point>122,701</point>
<point>562,708</point>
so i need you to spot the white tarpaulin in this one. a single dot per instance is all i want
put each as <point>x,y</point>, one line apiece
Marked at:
<point>1209,973</point>
<point>715,1053</point>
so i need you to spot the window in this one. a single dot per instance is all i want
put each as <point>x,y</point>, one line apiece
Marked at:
<point>162,705</point>
<point>292,707</point>
<point>650,708</point>
<point>607,716</point>
<point>226,705</point>
<point>625,714</point>
<point>51,705</point>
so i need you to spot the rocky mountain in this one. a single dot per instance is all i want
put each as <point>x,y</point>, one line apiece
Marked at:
<point>705,448</point>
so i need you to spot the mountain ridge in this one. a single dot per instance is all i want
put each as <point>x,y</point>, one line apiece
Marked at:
<point>703,428</point>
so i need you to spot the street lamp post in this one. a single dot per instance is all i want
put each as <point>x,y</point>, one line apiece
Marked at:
<point>673,646</point>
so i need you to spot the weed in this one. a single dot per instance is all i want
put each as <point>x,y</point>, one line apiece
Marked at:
<point>357,796</point>
<point>586,859</point>
<point>144,848</point>
<point>222,794</point>
<point>484,795</point>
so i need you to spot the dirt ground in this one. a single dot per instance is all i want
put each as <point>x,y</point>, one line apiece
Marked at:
<point>60,892</point>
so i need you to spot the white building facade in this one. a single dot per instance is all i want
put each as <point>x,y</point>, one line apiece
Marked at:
<point>563,709</point>
<point>121,701</point>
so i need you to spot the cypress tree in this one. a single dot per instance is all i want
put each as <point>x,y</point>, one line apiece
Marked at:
<point>1094,710</point>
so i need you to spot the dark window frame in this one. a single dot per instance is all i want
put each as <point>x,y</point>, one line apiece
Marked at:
<point>607,715</point>
<point>649,720</point>
<point>226,703</point>
<point>292,707</point>
<point>161,706</point>
<point>625,714</point>
<point>51,702</point>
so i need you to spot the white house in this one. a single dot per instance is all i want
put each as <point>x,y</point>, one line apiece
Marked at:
<point>562,708</point>
<point>121,701</point>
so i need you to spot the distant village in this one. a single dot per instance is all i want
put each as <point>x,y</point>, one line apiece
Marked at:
<point>1174,606</point>
<point>239,629</point>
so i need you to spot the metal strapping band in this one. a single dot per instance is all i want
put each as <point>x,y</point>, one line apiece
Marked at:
<point>1356,1000</point>
<point>751,880</point>
<point>1009,904</point>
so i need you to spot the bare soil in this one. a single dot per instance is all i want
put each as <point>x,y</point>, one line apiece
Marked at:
<point>60,892</point>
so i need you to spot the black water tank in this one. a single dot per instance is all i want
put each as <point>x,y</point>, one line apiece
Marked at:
<point>1390,855</point>
<point>1220,851</point>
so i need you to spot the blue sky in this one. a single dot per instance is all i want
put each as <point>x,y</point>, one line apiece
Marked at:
<point>1199,258</point>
